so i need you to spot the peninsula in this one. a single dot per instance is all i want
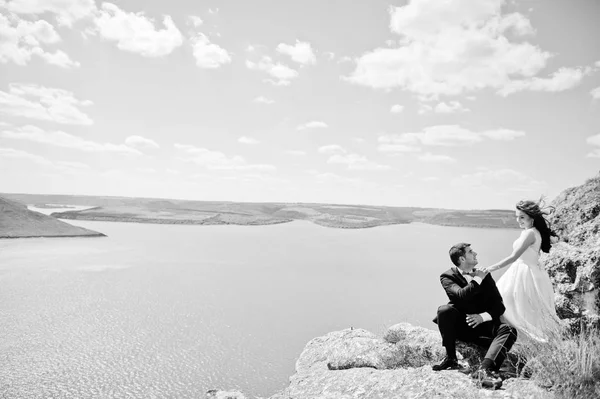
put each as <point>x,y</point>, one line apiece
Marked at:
<point>16,221</point>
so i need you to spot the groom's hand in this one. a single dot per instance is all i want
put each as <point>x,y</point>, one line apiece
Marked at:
<point>481,273</point>
<point>473,320</point>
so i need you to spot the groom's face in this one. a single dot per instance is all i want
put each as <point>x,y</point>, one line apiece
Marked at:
<point>470,257</point>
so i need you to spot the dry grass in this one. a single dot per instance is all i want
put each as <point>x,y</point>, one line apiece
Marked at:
<point>569,364</point>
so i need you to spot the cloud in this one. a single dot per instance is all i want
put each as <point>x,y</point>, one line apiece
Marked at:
<point>195,20</point>
<point>208,55</point>
<point>216,160</point>
<point>66,11</point>
<point>500,180</point>
<point>429,157</point>
<point>141,142</point>
<point>301,52</point>
<point>503,134</point>
<point>39,102</point>
<point>356,162</point>
<point>395,148</point>
<point>396,109</point>
<point>263,100</point>
<point>595,141</point>
<point>448,47</point>
<point>282,73</point>
<point>595,93</point>
<point>329,178</point>
<point>450,107</point>
<point>62,139</point>
<point>64,166</point>
<point>312,125</point>
<point>561,80</point>
<point>339,155</point>
<point>20,40</point>
<point>136,33</point>
<point>331,149</point>
<point>443,135</point>
<point>247,140</point>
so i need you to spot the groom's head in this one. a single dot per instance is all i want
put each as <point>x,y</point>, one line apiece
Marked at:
<point>462,254</point>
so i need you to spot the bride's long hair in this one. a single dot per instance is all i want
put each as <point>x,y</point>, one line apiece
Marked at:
<point>535,211</point>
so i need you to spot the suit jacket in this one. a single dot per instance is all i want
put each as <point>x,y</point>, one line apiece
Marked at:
<point>471,298</point>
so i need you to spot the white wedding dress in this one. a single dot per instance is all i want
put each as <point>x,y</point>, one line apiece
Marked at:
<point>528,294</point>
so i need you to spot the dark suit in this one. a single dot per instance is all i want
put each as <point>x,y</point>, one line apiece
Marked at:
<point>472,298</point>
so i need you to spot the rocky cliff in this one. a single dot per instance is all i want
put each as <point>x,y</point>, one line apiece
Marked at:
<point>574,263</point>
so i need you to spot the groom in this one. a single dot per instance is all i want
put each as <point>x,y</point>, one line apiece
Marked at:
<point>473,315</point>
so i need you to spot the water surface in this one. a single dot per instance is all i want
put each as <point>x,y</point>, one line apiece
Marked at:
<point>170,311</point>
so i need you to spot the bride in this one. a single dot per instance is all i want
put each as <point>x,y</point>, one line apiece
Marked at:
<point>525,287</point>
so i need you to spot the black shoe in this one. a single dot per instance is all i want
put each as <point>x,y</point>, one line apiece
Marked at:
<point>449,363</point>
<point>487,379</point>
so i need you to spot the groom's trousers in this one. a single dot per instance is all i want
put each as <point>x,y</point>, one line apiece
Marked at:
<point>498,337</point>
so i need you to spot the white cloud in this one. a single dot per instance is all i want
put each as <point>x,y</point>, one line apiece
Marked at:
<point>20,40</point>
<point>301,52</point>
<point>248,140</point>
<point>312,125</point>
<point>444,135</point>
<point>358,140</point>
<point>561,80</point>
<point>396,109</point>
<point>263,100</point>
<point>331,149</point>
<point>500,179</point>
<point>339,155</point>
<point>503,134</point>
<point>450,107</point>
<point>441,135</point>
<point>136,33</point>
<point>208,55</point>
<point>64,166</point>
<point>282,73</point>
<point>424,108</point>
<point>66,11</point>
<point>141,142</point>
<point>195,20</point>
<point>595,141</point>
<point>396,148</point>
<point>38,102</point>
<point>356,162</point>
<point>329,178</point>
<point>62,139</point>
<point>595,93</point>
<point>216,160</point>
<point>450,47</point>
<point>429,157</point>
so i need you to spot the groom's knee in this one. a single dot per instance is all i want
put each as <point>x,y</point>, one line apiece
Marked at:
<point>447,313</point>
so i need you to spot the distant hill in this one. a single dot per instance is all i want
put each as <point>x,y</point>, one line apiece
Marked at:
<point>16,221</point>
<point>172,211</point>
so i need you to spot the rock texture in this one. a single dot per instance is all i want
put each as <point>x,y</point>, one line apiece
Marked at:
<point>355,363</point>
<point>574,263</point>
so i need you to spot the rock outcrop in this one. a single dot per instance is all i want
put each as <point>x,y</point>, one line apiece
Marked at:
<point>574,263</point>
<point>354,363</point>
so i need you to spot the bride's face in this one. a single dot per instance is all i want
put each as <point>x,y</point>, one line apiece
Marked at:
<point>525,221</point>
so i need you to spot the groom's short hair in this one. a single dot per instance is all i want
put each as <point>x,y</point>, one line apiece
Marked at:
<point>457,251</point>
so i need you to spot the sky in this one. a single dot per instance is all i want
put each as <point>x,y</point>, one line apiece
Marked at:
<point>464,104</point>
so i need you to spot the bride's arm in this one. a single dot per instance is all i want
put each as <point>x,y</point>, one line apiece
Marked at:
<point>527,238</point>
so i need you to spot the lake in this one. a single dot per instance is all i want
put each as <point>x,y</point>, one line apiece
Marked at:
<point>170,311</point>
